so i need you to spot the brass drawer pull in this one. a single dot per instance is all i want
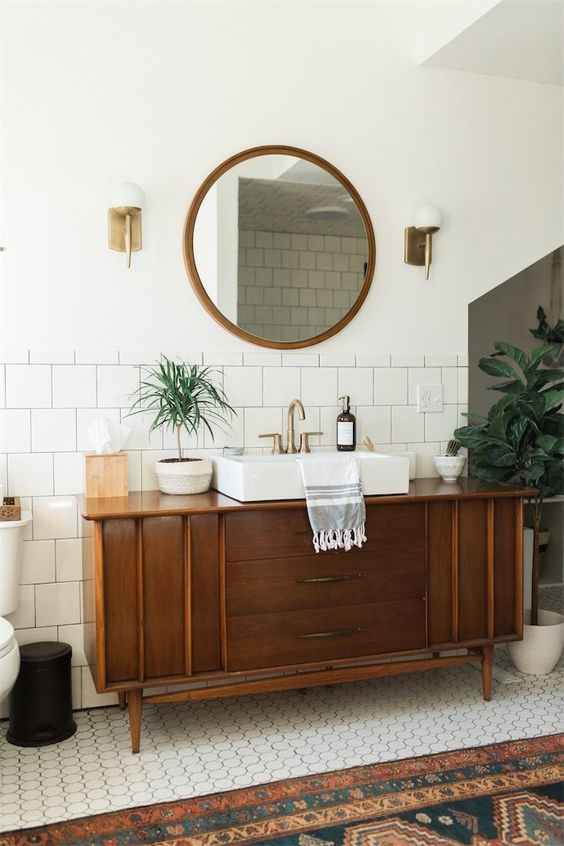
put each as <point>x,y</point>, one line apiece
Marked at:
<point>336,633</point>
<point>327,579</point>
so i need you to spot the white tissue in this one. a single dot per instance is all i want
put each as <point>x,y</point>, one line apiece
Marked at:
<point>106,436</point>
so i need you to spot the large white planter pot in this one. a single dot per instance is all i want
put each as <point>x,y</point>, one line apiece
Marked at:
<point>541,647</point>
<point>189,476</point>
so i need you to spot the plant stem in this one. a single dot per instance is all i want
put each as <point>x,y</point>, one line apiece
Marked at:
<point>178,428</point>
<point>537,510</point>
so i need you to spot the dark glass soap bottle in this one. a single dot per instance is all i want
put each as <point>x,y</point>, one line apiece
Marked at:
<point>346,427</point>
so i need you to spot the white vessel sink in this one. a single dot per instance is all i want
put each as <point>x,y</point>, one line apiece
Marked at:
<point>250,478</point>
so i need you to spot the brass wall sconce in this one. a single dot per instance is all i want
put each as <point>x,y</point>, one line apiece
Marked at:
<point>417,243</point>
<point>124,219</point>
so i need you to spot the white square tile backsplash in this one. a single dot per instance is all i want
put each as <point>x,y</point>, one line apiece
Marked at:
<point>74,386</point>
<point>15,430</point>
<point>51,357</point>
<point>24,616</point>
<point>54,517</point>
<point>280,385</point>
<point>28,386</point>
<point>259,421</point>
<point>390,386</point>
<point>30,474</point>
<point>38,562</point>
<point>116,384</point>
<point>50,403</point>
<point>53,429</point>
<point>68,471</point>
<point>439,427</point>
<point>319,385</point>
<point>407,424</point>
<point>57,604</point>
<point>356,382</point>
<point>243,385</point>
<point>68,559</point>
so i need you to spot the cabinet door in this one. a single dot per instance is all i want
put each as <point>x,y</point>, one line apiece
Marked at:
<point>474,550</point>
<point>158,605</point>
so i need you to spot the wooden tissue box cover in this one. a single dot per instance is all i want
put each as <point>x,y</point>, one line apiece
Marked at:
<point>105,475</point>
<point>10,510</point>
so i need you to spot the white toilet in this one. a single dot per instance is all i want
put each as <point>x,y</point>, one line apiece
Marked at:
<point>11,533</point>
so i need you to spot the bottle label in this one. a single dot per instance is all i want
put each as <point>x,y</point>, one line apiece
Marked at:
<point>345,434</point>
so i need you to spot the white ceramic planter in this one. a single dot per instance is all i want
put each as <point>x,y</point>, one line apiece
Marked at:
<point>190,476</point>
<point>449,467</point>
<point>541,647</point>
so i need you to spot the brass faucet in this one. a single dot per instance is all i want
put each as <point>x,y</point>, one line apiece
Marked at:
<point>296,403</point>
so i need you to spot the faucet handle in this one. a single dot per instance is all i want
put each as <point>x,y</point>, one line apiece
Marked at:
<point>304,442</point>
<point>277,445</point>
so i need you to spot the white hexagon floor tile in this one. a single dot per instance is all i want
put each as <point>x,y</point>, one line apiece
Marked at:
<point>191,749</point>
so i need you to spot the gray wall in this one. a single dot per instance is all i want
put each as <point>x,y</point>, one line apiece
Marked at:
<point>505,314</point>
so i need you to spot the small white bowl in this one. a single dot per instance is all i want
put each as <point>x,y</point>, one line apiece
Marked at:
<point>449,467</point>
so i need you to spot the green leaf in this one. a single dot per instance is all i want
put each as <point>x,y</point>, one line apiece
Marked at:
<point>533,473</point>
<point>492,474</point>
<point>517,429</point>
<point>495,367</point>
<point>536,379</point>
<point>515,386</point>
<point>552,399</point>
<point>547,442</point>
<point>558,448</point>
<point>501,457</point>
<point>539,353</point>
<point>515,353</point>
<point>501,406</point>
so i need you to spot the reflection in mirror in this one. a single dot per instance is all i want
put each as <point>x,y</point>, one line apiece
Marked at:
<point>281,248</point>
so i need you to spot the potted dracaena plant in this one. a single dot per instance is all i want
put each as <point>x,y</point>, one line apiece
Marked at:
<point>521,442</point>
<point>182,397</point>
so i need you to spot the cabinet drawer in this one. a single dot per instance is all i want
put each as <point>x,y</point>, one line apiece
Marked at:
<point>324,580</point>
<point>285,638</point>
<point>264,534</point>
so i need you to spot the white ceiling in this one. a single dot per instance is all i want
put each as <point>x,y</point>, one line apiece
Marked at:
<point>521,39</point>
<point>276,205</point>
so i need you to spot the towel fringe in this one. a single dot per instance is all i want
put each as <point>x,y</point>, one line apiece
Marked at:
<point>339,538</point>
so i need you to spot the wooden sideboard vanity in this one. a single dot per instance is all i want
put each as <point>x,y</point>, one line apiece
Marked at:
<point>187,589</point>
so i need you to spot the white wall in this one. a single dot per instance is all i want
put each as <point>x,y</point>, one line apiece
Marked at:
<point>160,92</point>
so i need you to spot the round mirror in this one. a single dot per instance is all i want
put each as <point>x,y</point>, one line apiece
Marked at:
<point>279,247</point>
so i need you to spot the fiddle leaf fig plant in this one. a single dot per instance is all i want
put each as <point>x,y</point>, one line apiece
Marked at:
<point>521,441</point>
<point>182,396</point>
<point>553,335</point>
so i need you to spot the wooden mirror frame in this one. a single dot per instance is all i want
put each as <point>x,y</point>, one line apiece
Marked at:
<point>190,261</point>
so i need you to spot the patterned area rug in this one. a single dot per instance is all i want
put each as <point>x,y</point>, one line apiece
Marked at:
<point>506,793</point>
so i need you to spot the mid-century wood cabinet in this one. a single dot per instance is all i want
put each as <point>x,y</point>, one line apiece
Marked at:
<point>200,588</point>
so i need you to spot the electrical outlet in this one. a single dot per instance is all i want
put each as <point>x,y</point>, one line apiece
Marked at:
<point>429,398</point>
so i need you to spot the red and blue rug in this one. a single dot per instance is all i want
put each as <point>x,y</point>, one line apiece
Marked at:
<point>506,793</point>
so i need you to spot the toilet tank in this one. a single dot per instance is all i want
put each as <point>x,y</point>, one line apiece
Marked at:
<point>11,534</point>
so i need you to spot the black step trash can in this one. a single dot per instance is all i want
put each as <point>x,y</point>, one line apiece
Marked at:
<point>41,699</point>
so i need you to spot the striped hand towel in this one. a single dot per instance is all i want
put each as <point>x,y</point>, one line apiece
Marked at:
<point>334,501</point>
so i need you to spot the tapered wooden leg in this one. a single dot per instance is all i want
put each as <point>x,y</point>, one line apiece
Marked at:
<point>134,705</point>
<point>122,700</point>
<point>487,664</point>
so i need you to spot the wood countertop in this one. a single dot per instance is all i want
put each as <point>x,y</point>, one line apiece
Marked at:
<point>155,504</point>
